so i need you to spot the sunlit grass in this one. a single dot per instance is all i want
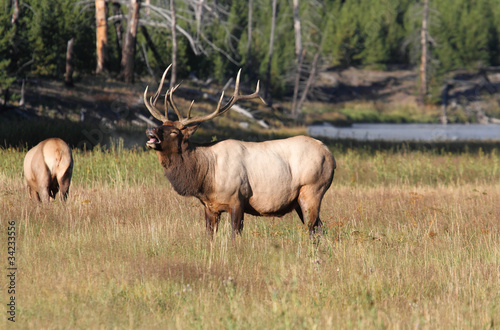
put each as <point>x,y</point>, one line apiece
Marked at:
<point>411,240</point>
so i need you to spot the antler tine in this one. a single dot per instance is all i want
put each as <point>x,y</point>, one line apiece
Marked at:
<point>189,110</point>
<point>152,100</point>
<point>157,94</point>
<point>152,109</point>
<point>170,99</point>
<point>237,83</point>
<point>257,91</point>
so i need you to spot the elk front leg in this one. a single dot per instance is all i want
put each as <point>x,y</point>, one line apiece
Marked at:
<point>236,219</point>
<point>212,221</point>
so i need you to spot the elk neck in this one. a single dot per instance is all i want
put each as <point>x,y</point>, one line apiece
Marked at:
<point>188,171</point>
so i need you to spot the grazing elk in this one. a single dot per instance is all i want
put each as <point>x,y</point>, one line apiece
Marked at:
<point>48,167</point>
<point>269,178</point>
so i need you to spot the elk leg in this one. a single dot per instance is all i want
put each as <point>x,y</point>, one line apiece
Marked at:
<point>314,222</point>
<point>29,192</point>
<point>53,192</point>
<point>34,194</point>
<point>212,221</point>
<point>43,194</point>
<point>317,227</point>
<point>237,219</point>
<point>64,182</point>
<point>310,205</point>
<point>64,193</point>
<point>44,186</point>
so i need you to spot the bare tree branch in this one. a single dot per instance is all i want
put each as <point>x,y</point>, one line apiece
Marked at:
<point>232,60</point>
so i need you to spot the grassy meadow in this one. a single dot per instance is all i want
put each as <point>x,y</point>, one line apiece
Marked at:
<point>412,239</point>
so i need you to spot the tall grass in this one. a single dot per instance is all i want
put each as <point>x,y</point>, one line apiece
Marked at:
<point>411,240</point>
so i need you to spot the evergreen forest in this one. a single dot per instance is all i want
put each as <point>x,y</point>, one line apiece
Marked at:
<point>216,38</point>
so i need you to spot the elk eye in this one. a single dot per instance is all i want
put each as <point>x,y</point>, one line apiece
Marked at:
<point>174,133</point>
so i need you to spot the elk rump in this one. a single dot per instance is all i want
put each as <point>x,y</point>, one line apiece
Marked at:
<point>48,167</point>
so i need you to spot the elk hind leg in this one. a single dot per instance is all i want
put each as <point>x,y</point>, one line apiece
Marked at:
<point>44,194</point>
<point>310,202</point>
<point>31,193</point>
<point>64,182</point>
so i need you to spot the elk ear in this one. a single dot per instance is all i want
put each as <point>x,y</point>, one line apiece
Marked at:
<point>189,130</point>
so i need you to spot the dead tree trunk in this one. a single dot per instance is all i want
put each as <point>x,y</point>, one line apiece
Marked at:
<point>101,35</point>
<point>298,54</point>
<point>173,77</point>
<point>68,76</point>
<point>198,12</point>
<point>117,11</point>
<point>249,41</point>
<point>23,93</point>
<point>128,50</point>
<point>270,55</point>
<point>310,80</point>
<point>424,56</point>
<point>15,12</point>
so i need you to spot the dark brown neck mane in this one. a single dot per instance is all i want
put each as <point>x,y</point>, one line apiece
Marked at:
<point>187,171</point>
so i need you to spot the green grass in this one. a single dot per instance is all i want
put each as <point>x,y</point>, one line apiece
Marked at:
<point>412,239</point>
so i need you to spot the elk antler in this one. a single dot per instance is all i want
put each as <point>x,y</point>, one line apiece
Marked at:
<point>220,110</point>
<point>151,105</point>
<point>169,99</point>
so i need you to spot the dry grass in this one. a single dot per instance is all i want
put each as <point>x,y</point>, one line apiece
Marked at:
<point>401,249</point>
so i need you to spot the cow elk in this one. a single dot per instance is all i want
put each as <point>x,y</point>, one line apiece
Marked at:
<point>48,167</point>
<point>270,178</point>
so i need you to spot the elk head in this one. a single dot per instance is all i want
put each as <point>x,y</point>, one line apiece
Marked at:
<point>170,136</point>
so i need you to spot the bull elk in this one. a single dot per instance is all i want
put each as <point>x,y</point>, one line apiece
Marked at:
<point>48,167</point>
<point>269,178</point>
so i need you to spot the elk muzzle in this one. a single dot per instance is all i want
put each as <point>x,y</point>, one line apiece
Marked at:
<point>154,140</point>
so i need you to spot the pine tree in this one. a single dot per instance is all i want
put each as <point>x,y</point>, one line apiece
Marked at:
<point>8,51</point>
<point>344,40</point>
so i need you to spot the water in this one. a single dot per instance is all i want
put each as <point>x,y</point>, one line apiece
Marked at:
<point>409,132</point>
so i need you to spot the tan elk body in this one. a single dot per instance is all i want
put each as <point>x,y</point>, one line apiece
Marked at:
<point>268,178</point>
<point>48,167</point>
